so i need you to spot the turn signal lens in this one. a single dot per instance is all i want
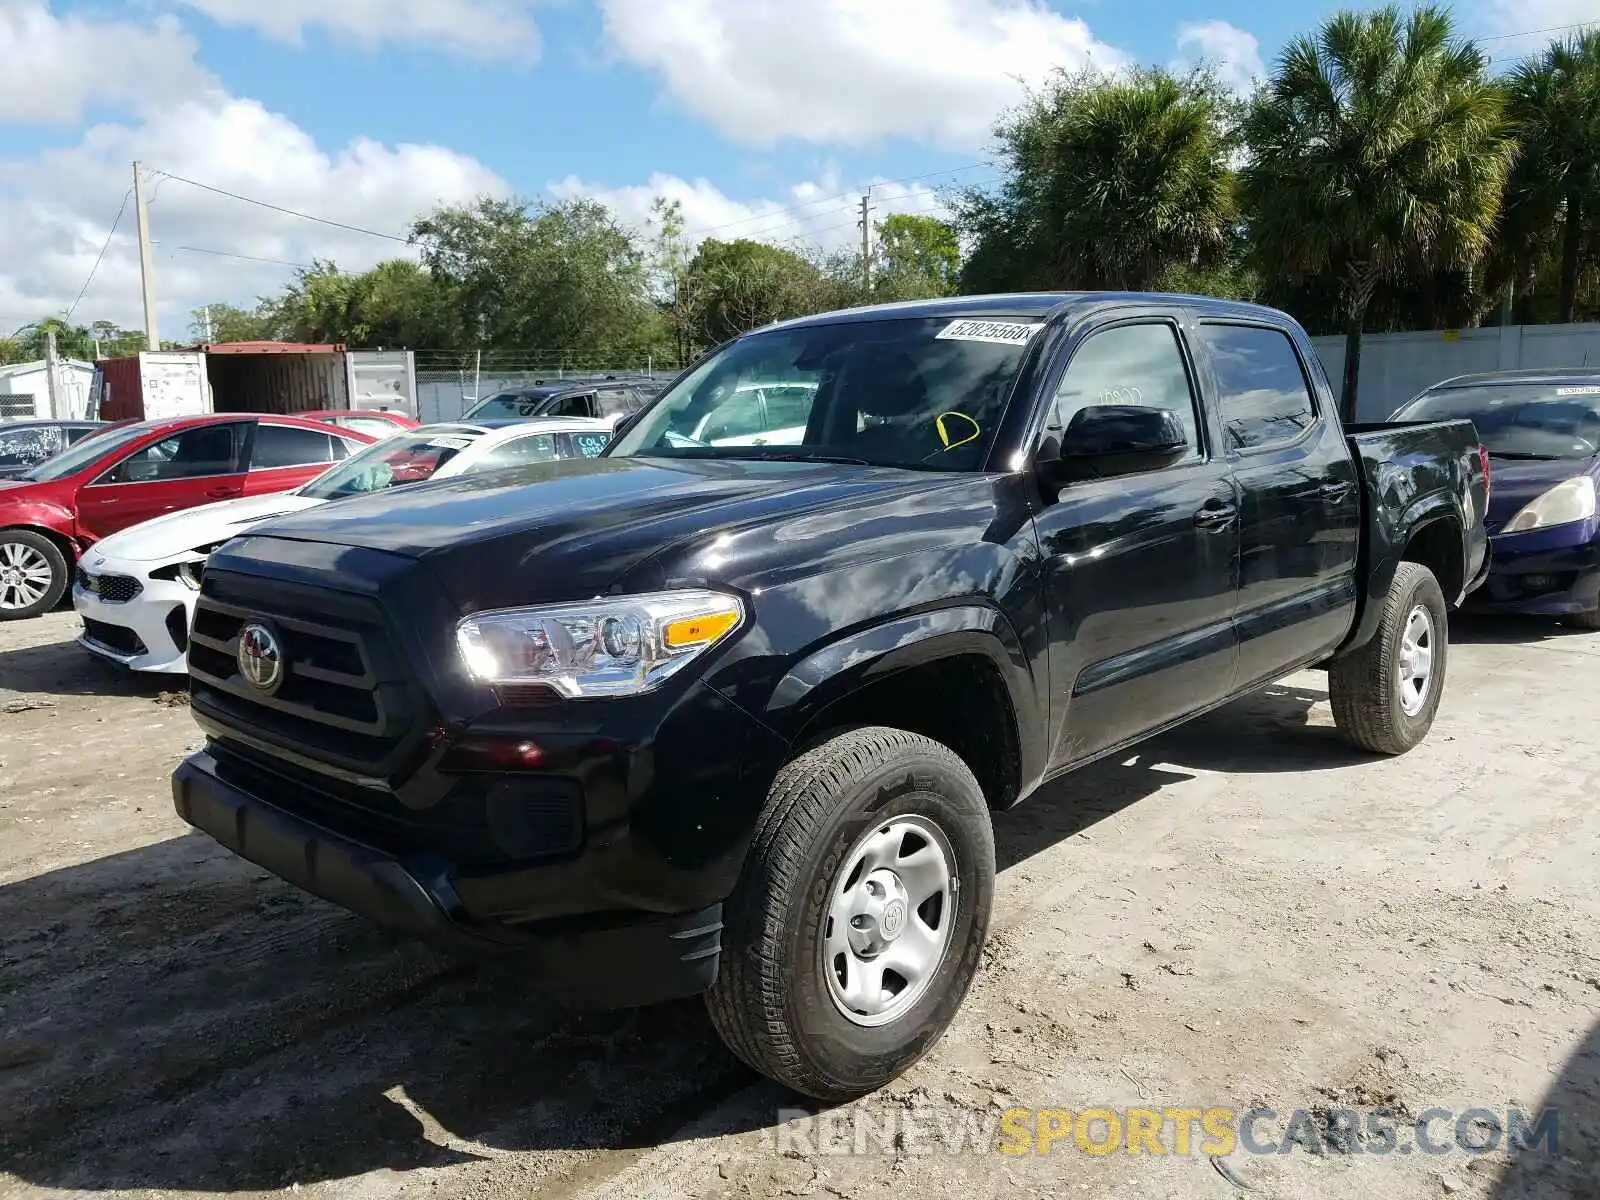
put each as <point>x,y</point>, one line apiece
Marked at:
<point>697,631</point>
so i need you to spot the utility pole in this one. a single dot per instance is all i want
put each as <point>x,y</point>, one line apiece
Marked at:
<point>866,240</point>
<point>146,267</point>
<point>51,383</point>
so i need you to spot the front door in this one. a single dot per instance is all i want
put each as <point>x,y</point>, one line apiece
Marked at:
<point>1300,510</point>
<point>195,466</point>
<point>1140,568</point>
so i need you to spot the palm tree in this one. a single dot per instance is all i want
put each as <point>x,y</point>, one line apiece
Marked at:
<point>1378,151</point>
<point>1111,183</point>
<point>1554,103</point>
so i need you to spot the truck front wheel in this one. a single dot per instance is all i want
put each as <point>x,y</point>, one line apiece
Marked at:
<point>856,927</point>
<point>1386,693</point>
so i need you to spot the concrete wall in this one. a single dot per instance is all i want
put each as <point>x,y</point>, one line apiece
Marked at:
<point>1396,366</point>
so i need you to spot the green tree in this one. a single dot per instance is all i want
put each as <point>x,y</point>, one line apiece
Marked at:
<point>564,281</point>
<point>1109,183</point>
<point>1379,152</point>
<point>673,287</point>
<point>229,323</point>
<point>742,285</point>
<point>917,256</point>
<point>1553,198</point>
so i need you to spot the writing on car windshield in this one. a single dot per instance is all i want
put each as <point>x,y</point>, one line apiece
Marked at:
<point>1519,421</point>
<point>407,458</point>
<point>921,392</point>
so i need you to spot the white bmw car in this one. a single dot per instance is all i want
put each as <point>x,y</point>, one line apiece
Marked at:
<point>135,591</point>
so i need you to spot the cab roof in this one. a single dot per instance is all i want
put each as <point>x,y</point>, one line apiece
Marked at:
<point>1040,305</point>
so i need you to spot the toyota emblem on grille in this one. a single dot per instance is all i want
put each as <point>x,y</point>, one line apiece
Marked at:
<point>260,657</point>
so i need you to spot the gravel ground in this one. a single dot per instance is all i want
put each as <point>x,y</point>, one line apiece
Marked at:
<point>1243,914</point>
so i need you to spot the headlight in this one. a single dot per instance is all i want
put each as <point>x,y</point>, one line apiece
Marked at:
<point>1571,501</point>
<point>602,647</point>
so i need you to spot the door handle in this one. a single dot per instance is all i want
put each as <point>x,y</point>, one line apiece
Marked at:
<point>1216,515</point>
<point>219,493</point>
<point>1335,493</point>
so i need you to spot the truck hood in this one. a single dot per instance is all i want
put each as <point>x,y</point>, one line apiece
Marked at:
<point>574,528</point>
<point>179,534</point>
<point>1515,482</point>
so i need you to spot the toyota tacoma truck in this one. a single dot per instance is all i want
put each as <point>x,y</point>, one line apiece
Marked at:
<point>732,719</point>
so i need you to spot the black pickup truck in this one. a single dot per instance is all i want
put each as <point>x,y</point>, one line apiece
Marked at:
<point>732,718</point>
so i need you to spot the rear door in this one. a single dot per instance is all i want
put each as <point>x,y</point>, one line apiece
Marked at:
<point>1300,516</point>
<point>1140,568</point>
<point>282,456</point>
<point>193,466</point>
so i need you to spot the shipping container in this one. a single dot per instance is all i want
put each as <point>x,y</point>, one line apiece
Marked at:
<point>266,377</point>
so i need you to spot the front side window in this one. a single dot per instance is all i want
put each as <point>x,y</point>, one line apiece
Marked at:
<point>921,392</point>
<point>579,405</point>
<point>405,458</point>
<point>1263,395</point>
<point>1137,365</point>
<point>510,405</point>
<point>1531,421</point>
<point>192,454</point>
<point>287,446</point>
<point>534,448</point>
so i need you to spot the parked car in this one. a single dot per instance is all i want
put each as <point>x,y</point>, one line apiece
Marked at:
<point>732,719</point>
<point>135,590</point>
<point>759,414</point>
<point>609,400</point>
<point>55,511</point>
<point>376,422</point>
<point>25,444</point>
<point>1542,431</point>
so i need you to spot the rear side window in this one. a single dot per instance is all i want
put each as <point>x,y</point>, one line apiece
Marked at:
<point>287,446</point>
<point>586,445</point>
<point>616,402</point>
<point>539,447</point>
<point>1263,396</point>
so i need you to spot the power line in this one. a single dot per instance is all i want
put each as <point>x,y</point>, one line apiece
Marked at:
<point>98,258</point>
<point>206,187</point>
<point>276,262</point>
<point>1501,37</point>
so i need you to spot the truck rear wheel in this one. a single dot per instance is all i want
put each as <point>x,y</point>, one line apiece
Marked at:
<point>1386,693</point>
<point>856,928</point>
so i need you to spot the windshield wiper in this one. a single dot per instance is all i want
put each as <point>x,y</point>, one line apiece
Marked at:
<point>790,456</point>
<point>1524,456</point>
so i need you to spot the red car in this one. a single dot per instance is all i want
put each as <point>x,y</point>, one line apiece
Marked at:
<point>379,422</point>
<point>131,473</point>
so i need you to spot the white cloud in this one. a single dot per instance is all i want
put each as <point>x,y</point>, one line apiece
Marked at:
<point>55,67</point>
<point>486,28</point>
<point>821,213</point>
<point>1523,27</point>
<point>850,71</point>
<point>59,204</point>
<point>1232,52</point>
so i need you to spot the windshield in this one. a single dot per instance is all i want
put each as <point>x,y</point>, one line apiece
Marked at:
<point>90,450</point>
<point>1533,421</point>
<point>403,458</point>
<point>511,404</point>
<point>907,392</point>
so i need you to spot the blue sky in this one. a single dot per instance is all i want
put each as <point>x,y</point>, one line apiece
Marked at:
<point>758,115</point>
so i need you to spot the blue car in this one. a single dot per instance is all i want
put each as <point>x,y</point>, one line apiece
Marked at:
<point>1542,431</point>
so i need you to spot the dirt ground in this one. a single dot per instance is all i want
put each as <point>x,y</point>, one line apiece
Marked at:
<point>1243,914</point>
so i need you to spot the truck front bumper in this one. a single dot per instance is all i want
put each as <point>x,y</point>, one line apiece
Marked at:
<point>596,960</point>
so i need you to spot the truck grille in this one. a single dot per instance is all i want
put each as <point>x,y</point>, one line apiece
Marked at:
<point>113,589</point>
<point>345,694</point>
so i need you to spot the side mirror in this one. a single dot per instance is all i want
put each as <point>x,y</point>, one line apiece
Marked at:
<point>1111,439</point>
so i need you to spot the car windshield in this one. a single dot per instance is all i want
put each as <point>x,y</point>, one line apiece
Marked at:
<point>902,392</point>
<point>511,404</point>
<point>403,458</point>
<point>90,450</point>
<point>1534,421</point>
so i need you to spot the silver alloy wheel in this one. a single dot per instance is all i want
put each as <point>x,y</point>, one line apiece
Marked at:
<point>888,924</point>
<point>1416,661</point>
<point>25,576</point>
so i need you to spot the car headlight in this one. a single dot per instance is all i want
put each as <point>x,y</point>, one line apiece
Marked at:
<point>1573,500</point>
<point>602,647</point>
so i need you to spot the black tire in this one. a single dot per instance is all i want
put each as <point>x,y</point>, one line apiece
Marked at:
<point>1584,620</point>
<point>772,1002</point>
<point>33,545</point>
<point>1364,685</point>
